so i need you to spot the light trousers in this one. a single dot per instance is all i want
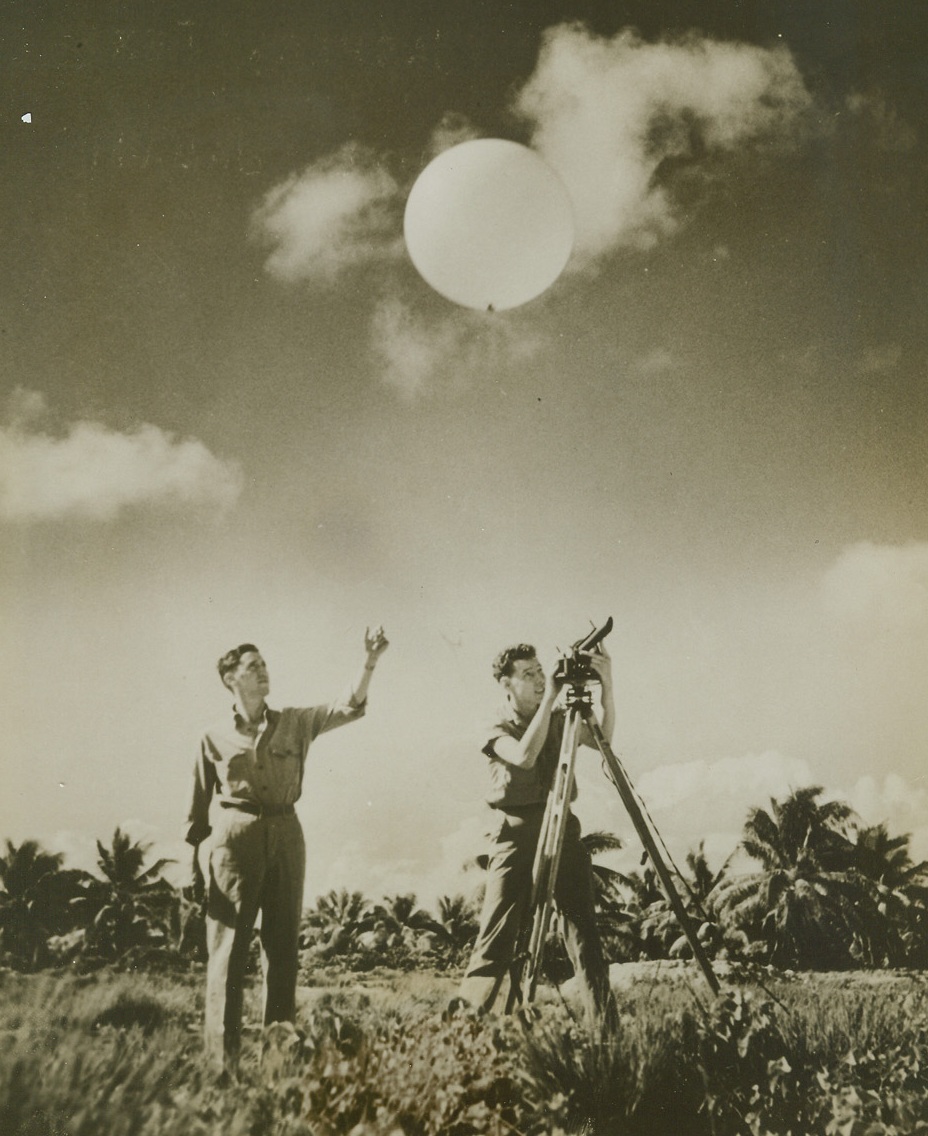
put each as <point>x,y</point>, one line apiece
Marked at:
<point>257,865</point>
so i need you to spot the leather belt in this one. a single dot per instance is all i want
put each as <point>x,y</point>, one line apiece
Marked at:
<point>254,809</point>
<point>520,810</point>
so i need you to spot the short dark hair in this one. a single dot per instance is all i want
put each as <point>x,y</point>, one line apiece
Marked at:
<point>231,659</point>
<point>502,664</point>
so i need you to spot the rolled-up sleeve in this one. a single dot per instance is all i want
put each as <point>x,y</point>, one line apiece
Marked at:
<point>204,782</point>
<point>491,736</point>
<point>320,719</point>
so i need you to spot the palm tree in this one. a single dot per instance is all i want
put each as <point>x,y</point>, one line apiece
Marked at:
<point>800,825</point>
<point>333,926</point>
<point>37,901</point>
<point>598,843</point>
<point>458,919</point>
<point>613,918</point>
<point>802,904</point>
<point>402,912</point>
<point>641,917</point>
<point>896,894</point>
<point>703,881</point>
<point>132,903</point>
<point>697,888</point>
<point>400,924</point>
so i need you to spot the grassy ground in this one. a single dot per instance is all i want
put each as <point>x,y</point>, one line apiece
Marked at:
<point>113,1054</point>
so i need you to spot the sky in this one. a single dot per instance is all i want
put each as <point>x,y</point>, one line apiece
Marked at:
<point>232,410</point>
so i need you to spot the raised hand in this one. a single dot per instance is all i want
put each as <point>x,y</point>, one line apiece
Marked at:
<point>375,642</point>
<point>601,662</point>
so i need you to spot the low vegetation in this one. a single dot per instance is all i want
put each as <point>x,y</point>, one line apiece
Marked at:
<point>119,1054</point>
<point>821,1026</point>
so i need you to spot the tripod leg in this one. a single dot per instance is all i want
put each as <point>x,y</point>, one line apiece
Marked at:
<point>620,779</point>
<point>529,953</point>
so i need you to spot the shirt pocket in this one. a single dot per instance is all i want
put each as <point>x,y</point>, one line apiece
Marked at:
<point>285,769</point>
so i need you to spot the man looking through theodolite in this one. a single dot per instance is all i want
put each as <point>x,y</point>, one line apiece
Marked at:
<point>523,748</point>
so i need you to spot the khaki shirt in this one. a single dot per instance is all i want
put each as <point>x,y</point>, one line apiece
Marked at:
<point>261,764</point>
<point>512,786</point>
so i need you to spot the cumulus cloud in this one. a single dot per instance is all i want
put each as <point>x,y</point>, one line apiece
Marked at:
<point>94,472</point>
<point>411,349</point>
<point>417,354</point>
<point>690,803</point>
<point>895,802</point>
<point>753,779</point>
<point>356,869</point>
<point>80,849</point>
<point>709,801</point>
<point>453,129</point>
<point>693,802</point>
<point>338,213</point>
<point>608,114</point>
<point>451,869</point>
<point>879,585</point>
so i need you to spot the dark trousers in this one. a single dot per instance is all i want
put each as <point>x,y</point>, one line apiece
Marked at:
<point>506,906</point>
<point>256,865</point>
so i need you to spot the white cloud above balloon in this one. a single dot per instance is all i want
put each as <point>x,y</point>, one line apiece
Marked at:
<point>607,113</point>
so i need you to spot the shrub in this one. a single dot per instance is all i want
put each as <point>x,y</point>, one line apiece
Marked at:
<point>419,1072</point>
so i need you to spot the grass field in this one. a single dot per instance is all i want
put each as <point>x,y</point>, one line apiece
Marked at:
<point>119,1054</point>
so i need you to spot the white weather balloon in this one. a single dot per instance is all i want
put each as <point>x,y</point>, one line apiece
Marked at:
<point>489,224</point>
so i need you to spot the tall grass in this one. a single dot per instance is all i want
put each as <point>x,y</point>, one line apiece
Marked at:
<point>120,1055</point>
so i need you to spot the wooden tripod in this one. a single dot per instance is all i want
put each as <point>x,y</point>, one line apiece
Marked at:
<point>529,955</point>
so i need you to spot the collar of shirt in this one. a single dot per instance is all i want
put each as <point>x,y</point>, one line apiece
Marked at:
<point>245,726</point>
<point>508,713</point>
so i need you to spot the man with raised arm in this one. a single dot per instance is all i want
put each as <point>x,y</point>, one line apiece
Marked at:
<point>522,749</point>
<point>248,776</point>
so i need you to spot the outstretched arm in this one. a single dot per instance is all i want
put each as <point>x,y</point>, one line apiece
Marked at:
<point>375,643</point>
